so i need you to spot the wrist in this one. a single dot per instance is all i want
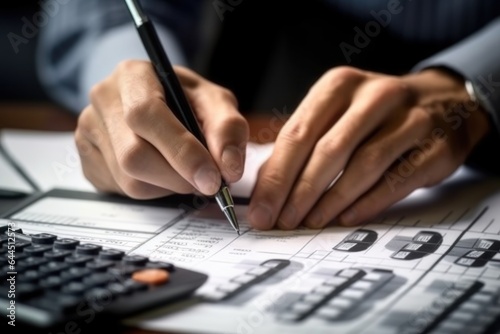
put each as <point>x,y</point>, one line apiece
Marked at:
<point>437,84</point>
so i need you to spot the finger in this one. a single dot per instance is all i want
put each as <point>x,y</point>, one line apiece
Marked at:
<point>147,114</point>
<point>335,148</point>
<point>400,181</point>
<point>94,166</point>
<point>316,113</point>
<point>137,168</point>
<point>368,164</point>
<point>226,130</point>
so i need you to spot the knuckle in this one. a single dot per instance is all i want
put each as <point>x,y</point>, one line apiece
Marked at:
<point>83,123</point>
<point>130,160</point>
<point>238,124</point>
<point>421,117</point>
<point>369,158</point>
<point>328,148</point>
<point>272,179</point>
<point>184,146</point>
<point>309,188</point>
<point>296,133</point>
<point>342,73</point>
<point>140,111</point>
<point>134,188</point>
<point>81,142</point>
<point>97,90</point>
<point>129,65</point>
<point>392,86</point>
<point>227,94</point>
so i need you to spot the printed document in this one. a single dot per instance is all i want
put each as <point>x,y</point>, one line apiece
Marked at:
<point>431,260</point>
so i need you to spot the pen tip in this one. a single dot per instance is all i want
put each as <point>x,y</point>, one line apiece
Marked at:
<point>238,232</point>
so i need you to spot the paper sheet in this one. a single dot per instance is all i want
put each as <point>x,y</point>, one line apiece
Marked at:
<point>10,179</point>
<point>50,159</point>
<point>430,244</point>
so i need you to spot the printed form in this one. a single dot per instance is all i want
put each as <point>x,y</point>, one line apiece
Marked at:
<point>431,262</point>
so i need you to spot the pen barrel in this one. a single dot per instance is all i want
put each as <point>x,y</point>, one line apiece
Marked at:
<point>174,94</point>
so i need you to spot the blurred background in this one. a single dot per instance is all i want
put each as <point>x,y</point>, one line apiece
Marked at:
<point>23,102</point>
<point>267,52</point>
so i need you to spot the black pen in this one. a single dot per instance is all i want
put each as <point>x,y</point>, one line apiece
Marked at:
<point>175,95</point>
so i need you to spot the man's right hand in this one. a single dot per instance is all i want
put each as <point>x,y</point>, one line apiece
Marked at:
<point>131,143</point>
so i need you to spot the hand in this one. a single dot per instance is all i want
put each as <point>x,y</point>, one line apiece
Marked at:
<point>130,142</point>
<point>361,141</point>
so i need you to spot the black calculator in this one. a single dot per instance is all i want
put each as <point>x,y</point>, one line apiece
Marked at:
<point>52,284</point>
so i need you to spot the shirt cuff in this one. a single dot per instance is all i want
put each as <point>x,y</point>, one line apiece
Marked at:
<point>476,61</point>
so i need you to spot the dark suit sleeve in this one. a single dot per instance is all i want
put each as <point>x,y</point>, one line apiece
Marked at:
<point>86,39</point>
<point>477,59</point>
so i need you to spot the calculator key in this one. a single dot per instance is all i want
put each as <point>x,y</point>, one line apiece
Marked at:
<point>65,243</point>
<point>111,254</point>
<point>29,276</point>
<point>88,249</point>
<point>57,277</point>
<point>78,259</point>
<point>52,268</point>
<point>135,260</point>
<point>74,288</point>
<point>43,239</point>
<point>118,289</point>
<point>51,282</point>
<point>135,285</point>
<point>151,276</point>
<point>57,254</point>
<point>98,279</point>
<point>123,271</point>
<point>37,250</point>
<point>75,273</point>
<point>161,265</point>
<point>31,263</point>
<point>99,265</point>
<point>21,244</point>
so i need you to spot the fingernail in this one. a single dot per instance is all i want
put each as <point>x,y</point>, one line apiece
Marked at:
<point>347,218</point>
<point>314,220</point>
<point>207,180</point>
<point>260,216</point>
<point>287,218</point>
<point>233,160</point>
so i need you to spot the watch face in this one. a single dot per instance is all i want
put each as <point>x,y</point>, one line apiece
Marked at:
<point>469,87</point>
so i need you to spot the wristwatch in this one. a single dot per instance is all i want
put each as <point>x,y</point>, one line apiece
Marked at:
<point>469,87</point>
